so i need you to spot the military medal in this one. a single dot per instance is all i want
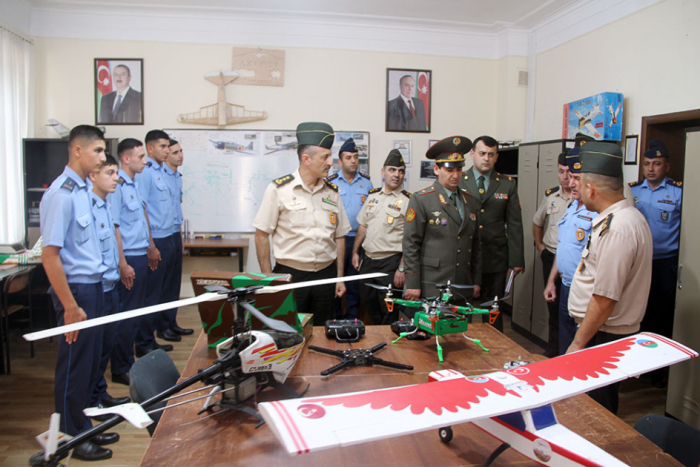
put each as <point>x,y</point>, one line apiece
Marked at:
<point>444,221</point>
<point>410,215</point>
<point>389,220</point>
<point>580,234</point>
<point>432,222</point>
<point>664,216</point>
<point>332,217</point>
<point>328,200</point>
<point>400,201</point>
<point>472,216</point>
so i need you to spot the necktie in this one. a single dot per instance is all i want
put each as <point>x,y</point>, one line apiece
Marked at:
<point>410,107</point>
<point>480,184</point>
<point>116,107</point>
<point>453,197</point>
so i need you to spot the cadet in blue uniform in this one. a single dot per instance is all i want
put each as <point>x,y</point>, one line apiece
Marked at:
<point>353,187</point>
<point>104,181</point>
<point>72,259</point>
<point>574,229</point>
<point>167,326</point>
<point>133,239</point>
<point>658,198</point>
<point>155,191</point>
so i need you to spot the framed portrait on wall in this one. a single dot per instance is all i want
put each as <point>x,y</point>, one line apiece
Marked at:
<point>408,94</point>
<point>119,91</point>
<point>631,149</point>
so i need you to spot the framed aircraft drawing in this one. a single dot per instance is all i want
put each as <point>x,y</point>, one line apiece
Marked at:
<point>119,91</point>
<point>408,96</point>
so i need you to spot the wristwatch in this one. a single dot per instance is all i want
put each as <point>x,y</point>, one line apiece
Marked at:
<point>401,269</point>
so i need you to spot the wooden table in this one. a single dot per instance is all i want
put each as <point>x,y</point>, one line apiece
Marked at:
<point>230,438</point>
<point>224,244</point>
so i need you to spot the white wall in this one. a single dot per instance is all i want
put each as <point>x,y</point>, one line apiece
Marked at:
<point>651,57</point>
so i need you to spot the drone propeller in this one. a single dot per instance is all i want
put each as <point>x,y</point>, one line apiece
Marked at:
<point>491,302</point>
<point>383,287</point>
<point>220,294</point>
<point>454,286</point>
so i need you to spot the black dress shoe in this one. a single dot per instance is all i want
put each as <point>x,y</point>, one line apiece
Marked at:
<point>183,332</point>
<point>164,347</point>
<point>120,379</point>
<point>141,352</point>
<point>89,451</point>
<point>168,335</point>
<point>109,401</point>
<point>102,418</point>
<point>103,439</point>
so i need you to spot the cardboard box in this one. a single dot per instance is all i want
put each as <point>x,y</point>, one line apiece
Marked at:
<point>217,316</point>
<point>598,116</point>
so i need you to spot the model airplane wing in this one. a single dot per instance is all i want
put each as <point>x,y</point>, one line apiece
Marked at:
<point>589,126</point>
<point>304,425</point>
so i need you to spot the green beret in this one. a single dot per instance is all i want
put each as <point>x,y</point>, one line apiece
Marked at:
<point>450,152</point>
<point>315,134</point>
<point>601,158</point>
<point>394,159</point>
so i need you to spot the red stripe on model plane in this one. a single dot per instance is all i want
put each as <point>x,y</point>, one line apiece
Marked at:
<point>673,344</point>
<point>292,428</point>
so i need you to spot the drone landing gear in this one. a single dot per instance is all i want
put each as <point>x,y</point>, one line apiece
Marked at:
<point>235,391</point>
<point>446,435</point>
<point>358,357</point>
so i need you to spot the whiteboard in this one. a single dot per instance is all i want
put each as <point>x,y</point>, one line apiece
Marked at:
<point>225,173</point>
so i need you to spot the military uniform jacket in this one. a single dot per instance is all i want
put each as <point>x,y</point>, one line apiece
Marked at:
<point>439,246</point>
<point>500,207</point>
<point>384,216</point>
<point>548,214</point>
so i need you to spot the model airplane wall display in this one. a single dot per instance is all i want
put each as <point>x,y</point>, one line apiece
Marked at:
<point>222,113</point>
<point>512,405</point>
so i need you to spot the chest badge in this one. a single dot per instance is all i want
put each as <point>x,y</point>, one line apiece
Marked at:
<point>331,216</point>
<point>432,222</point>
<point>389,220</point>
<point>664,216</point>
<point>410,215</point>
<point>580,234</point>
<point>363,198</point>
<point>472,216</point>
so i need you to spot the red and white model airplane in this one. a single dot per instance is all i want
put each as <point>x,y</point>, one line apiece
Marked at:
<point>511,405</point>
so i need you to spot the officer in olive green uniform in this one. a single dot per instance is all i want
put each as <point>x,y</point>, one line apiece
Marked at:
<point>304,214</point>
<point>441,238</point>
<point>498,206</point>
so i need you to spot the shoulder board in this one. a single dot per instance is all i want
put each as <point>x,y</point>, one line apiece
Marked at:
<point>675,183</point>
<point>363,175</point>
<point>121,180</point>
<point>149,164</point>
<point>283,180</point>
<point>569,205</point>
<point>375,190</point>
<point>69,184</point>
<point>332,177</point>
<point>510,179</point>
<point>635,183</point>
<point>551,190</point>
<point>330,185</point>
<point>425,191</point>
<point>606,224</point>
<point>405,193</point>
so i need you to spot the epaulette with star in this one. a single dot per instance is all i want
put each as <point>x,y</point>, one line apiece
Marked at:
<point>606,224</point>
<point>69,184</point>
<point>675,183</point>
<point>331,185</point>
<point>121,181</point>
<point>427,190</point>
<point>405,193</point>
<point>333,177</point>
<point>375,190</point>
<point>551,190</point>
<point>634,183</point>
<point>363,175</point>
<point>283,180</point>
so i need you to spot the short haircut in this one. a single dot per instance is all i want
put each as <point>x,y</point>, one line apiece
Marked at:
<point>86,132</point>
<point>604,183</point>
<point>127,145</point>
<point>404,77</point>
<point>172,143</point>
<point>128,71</point>
<point>109,160</point>
<point>155,135</point>
<point>306,149</point>
<point>488,141</point>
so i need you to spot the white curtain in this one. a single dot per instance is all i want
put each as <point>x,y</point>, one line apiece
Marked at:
<point>16,122</point>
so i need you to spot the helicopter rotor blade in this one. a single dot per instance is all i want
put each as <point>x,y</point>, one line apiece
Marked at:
<point>297,285</point>
<point>207,297</point>
<point>217,289</point>
<point>271,323</point>
<point>491,302</point>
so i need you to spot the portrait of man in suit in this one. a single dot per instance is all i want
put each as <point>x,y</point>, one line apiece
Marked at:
<point>123,105</point>
<point>407,111</point>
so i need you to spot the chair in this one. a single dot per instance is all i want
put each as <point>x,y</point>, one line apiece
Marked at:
<point>13,284</point>
<point>680,441</point>
<point>149,376</point>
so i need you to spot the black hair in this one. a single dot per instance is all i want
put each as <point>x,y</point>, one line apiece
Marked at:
<point>128,71</point>
<point>88,132</point>
<point>488,141</point>
<point>172,143</point>
<point>109,160</point>
<point>127,144</point>
<point>155,135</point>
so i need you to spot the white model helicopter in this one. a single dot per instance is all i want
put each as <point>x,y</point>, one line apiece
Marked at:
<point>247,363</point>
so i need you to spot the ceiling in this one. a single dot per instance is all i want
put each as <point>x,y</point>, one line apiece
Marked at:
<point>468,14</point>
